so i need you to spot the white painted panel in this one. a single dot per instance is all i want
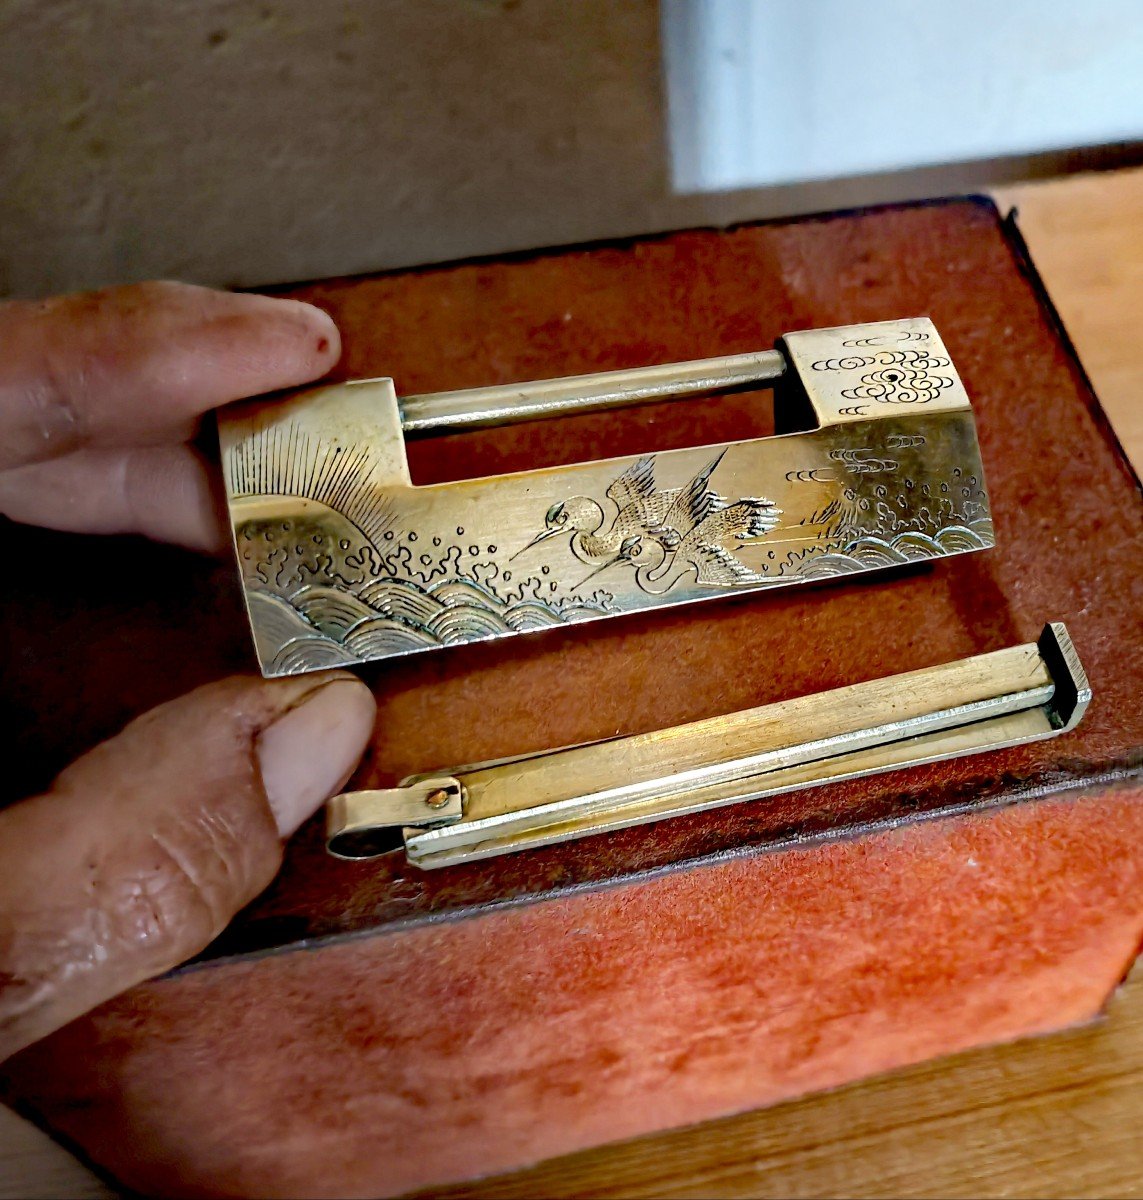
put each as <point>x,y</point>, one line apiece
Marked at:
<point>779,91</point>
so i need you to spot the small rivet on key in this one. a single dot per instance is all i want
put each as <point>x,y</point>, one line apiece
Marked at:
<point>437,799</point>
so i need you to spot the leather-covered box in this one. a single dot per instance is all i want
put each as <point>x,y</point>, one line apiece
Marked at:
<point>372,1028</point>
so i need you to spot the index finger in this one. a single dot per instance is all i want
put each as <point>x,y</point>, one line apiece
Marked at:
<point>138,365</point>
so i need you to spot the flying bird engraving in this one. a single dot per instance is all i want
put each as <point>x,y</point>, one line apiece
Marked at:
<point>666,534</point>
<point>641,509</point>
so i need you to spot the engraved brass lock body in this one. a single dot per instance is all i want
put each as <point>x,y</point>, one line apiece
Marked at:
<point>343,560</point>
<point>1006,698</point>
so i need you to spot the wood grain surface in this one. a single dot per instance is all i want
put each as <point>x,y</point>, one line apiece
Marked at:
<point>1058,1116</point>
<point>1086,237</point>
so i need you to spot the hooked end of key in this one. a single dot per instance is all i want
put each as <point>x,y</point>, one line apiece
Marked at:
<point>1073,692</point>
<point>360,824</point>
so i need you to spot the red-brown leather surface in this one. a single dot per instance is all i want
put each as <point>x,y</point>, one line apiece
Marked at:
<point>453,1049</point>
<point>430,1049</point>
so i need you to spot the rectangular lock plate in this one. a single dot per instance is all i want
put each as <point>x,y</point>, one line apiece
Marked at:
<point>1021,694</point>
<point>343,560</point>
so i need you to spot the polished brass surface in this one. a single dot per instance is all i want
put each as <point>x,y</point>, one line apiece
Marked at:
<point>1011,696</point>
<point>344,560</point>
<point>511,402</point>
<point>356,822</point>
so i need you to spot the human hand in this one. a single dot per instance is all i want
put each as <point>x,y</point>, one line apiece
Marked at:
<point>143,849</point>
<point>101,394</point>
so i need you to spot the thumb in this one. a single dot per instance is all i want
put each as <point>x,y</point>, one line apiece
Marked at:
<point>145,847</point>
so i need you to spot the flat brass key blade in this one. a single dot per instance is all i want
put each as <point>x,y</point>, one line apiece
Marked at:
<point>1005,698</point>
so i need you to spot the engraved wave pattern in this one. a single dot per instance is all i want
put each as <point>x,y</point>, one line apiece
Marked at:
<point>321,594</point>
<point>327,626</point>
<point>870,552</point>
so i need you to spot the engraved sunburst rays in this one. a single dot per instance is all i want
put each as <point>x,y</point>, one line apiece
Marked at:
<point>334,574</point>
<point>289,462</point>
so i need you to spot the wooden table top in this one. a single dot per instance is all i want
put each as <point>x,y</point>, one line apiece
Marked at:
<point>1056,1116</point>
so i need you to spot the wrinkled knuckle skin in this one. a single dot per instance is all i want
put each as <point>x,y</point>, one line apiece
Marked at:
<point>179,887</point>
<point>39,400</point>
<point>56,421</point>
<point>137,857</point>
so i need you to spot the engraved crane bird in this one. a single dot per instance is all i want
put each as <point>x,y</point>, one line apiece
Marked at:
<point>695,536</point>
<point>641,510</point>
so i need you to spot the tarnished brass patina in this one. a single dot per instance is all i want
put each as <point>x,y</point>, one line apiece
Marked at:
<point>1021,694</point>
<point>344,560</point>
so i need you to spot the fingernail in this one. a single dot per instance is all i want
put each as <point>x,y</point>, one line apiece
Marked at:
<point>328,339</point>
<point>308,754</point>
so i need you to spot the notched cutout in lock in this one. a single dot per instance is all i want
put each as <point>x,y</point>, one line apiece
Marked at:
<point>345,560</point>
<point>684,422</point>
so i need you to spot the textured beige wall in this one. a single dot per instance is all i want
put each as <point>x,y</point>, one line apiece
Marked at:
<point>250,142</point>
<point>245,142</point>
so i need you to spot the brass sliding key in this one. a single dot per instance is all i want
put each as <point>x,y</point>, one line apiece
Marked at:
<point>1005,698</point>
<point>344,560</point>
